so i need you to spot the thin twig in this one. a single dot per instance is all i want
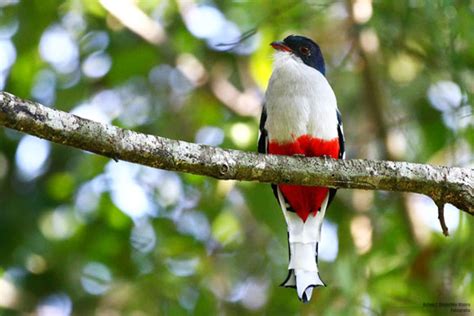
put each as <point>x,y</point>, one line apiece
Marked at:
<point>442,222</point>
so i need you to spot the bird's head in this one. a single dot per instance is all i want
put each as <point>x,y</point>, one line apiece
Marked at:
<point>303,48</point>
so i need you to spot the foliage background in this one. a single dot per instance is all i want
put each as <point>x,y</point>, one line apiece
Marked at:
<point>85,235</point>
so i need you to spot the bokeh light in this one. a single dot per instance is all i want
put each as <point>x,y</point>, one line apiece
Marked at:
<point>55,305</point>
<point>31,157</point>
<point>58,224</point>
<point>204,21</point>
<point>194,223</point>
<point>44,87</point>
<point>143,236</point>
<point>96,278</point>
<point>445,95</point>
<point>59,49</point>
<point>128,194</point>
<point>182,267</point>
<point>7,54</point>
<point>96,65</point>
<point>329,245</point>
<point>210,135</point>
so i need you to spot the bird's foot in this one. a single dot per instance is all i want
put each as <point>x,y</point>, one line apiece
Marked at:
<point>299,155</point>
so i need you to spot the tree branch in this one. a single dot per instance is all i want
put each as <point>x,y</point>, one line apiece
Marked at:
<point>443,184</point>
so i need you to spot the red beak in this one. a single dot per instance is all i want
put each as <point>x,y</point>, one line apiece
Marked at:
<point>281,46</point>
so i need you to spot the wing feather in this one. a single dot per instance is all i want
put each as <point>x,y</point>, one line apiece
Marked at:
<point>342,152</point>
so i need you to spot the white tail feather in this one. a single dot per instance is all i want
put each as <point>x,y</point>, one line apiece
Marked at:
<point>290,280</point>
<point>303,239</point>
<point>306,281</point>
<point>303,263</point>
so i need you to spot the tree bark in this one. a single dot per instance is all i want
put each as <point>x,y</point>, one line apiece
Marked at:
<point>443,184</point>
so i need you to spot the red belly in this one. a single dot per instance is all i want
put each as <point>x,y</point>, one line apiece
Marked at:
<point>304,199</point>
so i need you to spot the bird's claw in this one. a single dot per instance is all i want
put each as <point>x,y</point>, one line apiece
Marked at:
<point>299,155</point>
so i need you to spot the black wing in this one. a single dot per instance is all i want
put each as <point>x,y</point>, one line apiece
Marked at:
<point>340,133</point>
<point>263,141</point>
<point>263,138</point>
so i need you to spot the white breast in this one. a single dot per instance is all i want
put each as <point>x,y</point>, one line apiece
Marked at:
<point>299,101</point>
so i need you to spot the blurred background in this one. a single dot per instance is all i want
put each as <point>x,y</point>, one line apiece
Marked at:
<point>81,234</point>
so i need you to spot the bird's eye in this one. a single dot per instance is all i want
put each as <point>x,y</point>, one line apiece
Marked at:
<point>304,50</point>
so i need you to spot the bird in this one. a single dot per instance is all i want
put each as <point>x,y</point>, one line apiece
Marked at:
<point>300,117</point>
